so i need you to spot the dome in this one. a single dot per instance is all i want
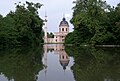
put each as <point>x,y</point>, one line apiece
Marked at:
<point>63,22</point>
<point>64,64</point>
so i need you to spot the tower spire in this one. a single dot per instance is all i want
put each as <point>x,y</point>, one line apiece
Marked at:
<point>45,29</point>
<point>63,15</point>
<point>45,13</point>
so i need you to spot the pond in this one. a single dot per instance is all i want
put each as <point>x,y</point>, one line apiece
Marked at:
<point>55,62</point>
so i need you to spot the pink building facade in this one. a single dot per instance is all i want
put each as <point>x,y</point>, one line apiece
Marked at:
<point>59,37</point>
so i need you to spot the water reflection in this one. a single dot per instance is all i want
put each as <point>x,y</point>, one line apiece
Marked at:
<point>95,64</point>
<point>54,62</point>
<point>20,64</point>
<point>57,64</point>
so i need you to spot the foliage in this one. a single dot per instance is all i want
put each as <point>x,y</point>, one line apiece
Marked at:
<point>21,64</point>
<point>21,27</point>
<point>95,64</point>
<point>95,22</point>
<point>70,38</point>
<point>50,35</point>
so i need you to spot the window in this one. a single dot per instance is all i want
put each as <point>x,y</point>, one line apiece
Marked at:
<point>62,29</point>
<point>56,40</point>
<point>59,29</point>
<point>62,57</point>
<point>66,29</point>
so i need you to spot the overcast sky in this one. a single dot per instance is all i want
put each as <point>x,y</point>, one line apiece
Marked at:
<point>54,8</point>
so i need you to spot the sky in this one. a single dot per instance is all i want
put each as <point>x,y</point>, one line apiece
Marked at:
<point>55,10</point>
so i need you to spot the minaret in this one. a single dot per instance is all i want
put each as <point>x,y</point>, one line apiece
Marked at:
<point>45,29</point>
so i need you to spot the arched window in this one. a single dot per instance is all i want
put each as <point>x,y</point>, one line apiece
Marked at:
<point>59,29</point>
<point>62,57</point>
<point>66,29</point>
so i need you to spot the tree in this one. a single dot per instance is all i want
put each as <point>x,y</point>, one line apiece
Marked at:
<point>22,27</point>
<point>95,22</point>
<point>70,38</point>
<point>50,35</point>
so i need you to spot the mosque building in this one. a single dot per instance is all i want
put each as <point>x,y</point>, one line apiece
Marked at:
<point>59,36</point>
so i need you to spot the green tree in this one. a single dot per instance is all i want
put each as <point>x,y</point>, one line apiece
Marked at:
<point>22,27</point>
<point>50,35</point>
<point>95,22</point>
<point>70,38</point>
<point>114,19</point>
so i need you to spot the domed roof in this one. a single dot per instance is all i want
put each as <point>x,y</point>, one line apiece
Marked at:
<point>64,64</point>
<point>64,22</point>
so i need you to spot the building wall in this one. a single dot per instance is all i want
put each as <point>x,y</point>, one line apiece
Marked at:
<point>50,40</point>
<point>64,29</point>
<point>59,36</point>
<point>56,38</point>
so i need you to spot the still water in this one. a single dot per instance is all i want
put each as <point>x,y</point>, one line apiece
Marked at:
<point>54,62</point>
<point>57,64</point>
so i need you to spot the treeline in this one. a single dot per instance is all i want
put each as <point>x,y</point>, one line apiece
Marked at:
<point>22,26</point>
<point>95,23</point>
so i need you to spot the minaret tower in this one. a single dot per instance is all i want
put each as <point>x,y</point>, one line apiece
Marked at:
<point>45,29</point>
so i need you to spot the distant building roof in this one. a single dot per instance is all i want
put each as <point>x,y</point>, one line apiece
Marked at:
<point>64,22</point>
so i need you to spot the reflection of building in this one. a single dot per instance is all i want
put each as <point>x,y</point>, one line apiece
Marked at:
<point>58,50</point>
<point>59,37</point>
<point>45,56</point>
<point>64,60</point>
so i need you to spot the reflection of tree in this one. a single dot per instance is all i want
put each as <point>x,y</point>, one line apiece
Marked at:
<point>98,64</point>
<point>21,64</point>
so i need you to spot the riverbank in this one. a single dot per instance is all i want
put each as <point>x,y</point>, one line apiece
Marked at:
<point>94,45</point>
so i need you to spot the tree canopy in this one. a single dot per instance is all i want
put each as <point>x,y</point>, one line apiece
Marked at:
<point>21,27</point>
<point>50,35</point>
<point>95,22</point>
